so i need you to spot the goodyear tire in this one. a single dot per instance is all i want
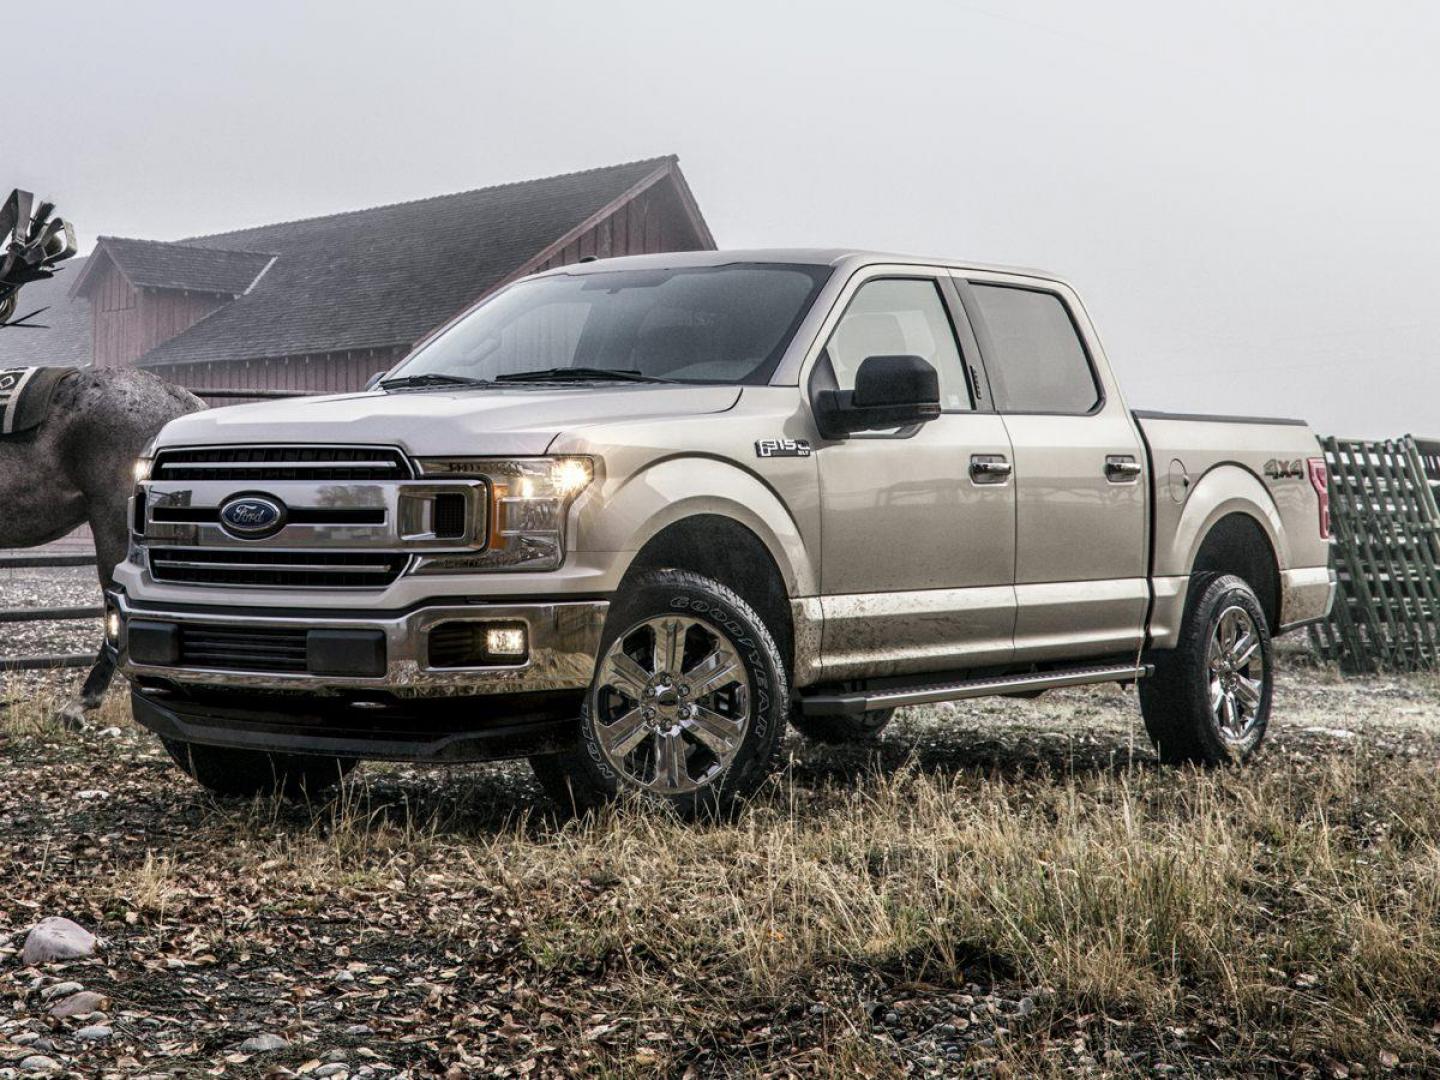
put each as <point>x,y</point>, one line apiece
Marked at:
<point>687,707</point>
<point>246,773</point>
<point>1208,701</point>
<point>841,730</point>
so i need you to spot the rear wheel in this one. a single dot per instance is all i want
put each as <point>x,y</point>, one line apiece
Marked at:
<point>1209,699</point>
<point>229,771</point>
<point>688,703</point>
<point>840,730</point>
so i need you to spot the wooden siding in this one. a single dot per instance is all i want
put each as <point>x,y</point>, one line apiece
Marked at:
<point>653,221</point>
<point>115,309</point>
<point>129,322</point>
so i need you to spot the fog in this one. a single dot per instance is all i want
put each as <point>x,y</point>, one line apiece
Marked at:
<point>1246,194</point>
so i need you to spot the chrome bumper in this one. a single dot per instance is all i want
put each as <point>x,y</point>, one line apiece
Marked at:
<point>564,639</point>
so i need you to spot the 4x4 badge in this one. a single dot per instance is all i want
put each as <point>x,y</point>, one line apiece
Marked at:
<point>782,448</point>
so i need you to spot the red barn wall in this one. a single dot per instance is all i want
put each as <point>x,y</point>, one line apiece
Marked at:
<point>128,322</point>
<point>653,221</point>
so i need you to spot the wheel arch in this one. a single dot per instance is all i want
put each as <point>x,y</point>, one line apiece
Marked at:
<point>724,549</point>
<point>1228,524</point>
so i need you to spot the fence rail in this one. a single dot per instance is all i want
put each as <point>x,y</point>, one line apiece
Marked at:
<point>48,661</point>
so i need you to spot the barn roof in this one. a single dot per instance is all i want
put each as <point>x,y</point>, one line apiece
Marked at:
<point>66,335</point>
<point>386,276</point>
<point>159,264</point>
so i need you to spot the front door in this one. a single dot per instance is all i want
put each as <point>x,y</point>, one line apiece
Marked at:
<point>917,546</point>
<point>1081,584</point>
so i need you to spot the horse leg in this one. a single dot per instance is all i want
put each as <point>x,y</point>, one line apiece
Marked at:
<point>111,529</point>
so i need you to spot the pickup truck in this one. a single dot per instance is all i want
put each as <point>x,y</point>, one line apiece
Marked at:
<point>631,518</point>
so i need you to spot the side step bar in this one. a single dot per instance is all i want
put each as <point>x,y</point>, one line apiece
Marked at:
<point>858,701</point>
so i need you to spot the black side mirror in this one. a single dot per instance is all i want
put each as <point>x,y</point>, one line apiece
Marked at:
<point>890,392</point>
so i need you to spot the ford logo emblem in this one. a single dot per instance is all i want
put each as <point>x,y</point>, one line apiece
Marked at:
<point>251,517</point>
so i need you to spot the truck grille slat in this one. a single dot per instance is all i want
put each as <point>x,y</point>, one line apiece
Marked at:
<point>259,648</point>
<point>269,463</point>
<point>320,568</point>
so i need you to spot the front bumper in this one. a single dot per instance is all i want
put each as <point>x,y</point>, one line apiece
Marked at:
<point>563,639</point>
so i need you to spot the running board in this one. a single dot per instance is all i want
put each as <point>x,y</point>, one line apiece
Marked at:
<point>859,701</point>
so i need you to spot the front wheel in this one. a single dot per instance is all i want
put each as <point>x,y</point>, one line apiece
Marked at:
<point>1208,701</point>
<point>687,706</point>
<point>241,773</point>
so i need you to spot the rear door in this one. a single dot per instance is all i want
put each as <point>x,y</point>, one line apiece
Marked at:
<point>1081,586</point>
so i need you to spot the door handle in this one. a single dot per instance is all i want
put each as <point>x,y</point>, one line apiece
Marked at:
<point>990,469</point>
<point>1122,468</point>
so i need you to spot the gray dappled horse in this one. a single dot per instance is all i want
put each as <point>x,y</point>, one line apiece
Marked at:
<point>76,467</point>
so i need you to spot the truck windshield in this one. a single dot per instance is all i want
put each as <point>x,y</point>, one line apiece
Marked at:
<point>721,324</point>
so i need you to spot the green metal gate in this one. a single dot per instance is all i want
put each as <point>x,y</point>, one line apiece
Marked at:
<point>1387,554</point>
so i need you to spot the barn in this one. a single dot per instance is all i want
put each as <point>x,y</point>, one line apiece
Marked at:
<point>321,304</point>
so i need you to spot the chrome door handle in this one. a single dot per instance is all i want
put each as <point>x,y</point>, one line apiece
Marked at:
<point>1122,468</point>
<point>989,469</point>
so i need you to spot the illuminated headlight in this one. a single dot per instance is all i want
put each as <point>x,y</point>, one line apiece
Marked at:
<point>142,468</point>
<point>529,500</point>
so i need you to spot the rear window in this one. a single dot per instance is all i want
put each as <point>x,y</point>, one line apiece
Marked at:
<point>1036,362</point>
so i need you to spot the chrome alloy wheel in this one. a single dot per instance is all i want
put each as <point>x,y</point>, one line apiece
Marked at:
<point>671,704</point>
<point>1237,675</point>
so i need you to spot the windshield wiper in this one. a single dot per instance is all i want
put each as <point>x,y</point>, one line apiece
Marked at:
<point>579,374</point>
<point>430,378</point>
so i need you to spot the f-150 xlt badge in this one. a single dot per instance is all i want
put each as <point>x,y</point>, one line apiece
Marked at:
<point>1285,470</point>
<point>782,448</point>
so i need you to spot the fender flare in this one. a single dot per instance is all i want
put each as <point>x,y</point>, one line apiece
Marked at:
<point>1224,490</point>
<point>665,492</point>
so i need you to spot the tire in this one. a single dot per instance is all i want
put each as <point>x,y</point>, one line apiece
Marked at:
<point>1203,707</point>
<point>702,662</point>
<point>246,773</point>
<point>841,730</point>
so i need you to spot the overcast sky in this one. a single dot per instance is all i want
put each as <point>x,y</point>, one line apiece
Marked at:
<point>1247,194</point>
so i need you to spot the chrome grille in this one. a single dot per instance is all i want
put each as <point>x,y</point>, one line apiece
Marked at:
<point>317,568</point>
<point>260,464</point>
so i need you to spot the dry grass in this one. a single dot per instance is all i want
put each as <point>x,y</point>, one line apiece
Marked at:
<point>1021,872</point>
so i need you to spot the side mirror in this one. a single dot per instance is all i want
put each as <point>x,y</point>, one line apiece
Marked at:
<point>890,392</point>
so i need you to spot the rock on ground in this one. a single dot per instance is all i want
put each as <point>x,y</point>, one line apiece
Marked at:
<point>79,1004</point>
<point>259,1044</point>
<point>57,939</point>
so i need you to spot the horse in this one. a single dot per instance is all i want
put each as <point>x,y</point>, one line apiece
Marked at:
<point>76,467</point>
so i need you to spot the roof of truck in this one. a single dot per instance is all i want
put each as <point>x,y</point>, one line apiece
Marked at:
<point>798,255</point>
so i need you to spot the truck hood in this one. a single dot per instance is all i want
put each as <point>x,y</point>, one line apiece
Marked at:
<point>501,421</point>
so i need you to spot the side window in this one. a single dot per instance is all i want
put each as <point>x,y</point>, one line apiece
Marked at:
<point>899,317</point>
<point>1036,362</point>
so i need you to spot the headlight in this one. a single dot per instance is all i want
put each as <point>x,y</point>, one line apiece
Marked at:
<point>528,501</point>
<point>142,468</point>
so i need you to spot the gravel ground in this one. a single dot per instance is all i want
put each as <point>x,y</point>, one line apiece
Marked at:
<point>437,923</point>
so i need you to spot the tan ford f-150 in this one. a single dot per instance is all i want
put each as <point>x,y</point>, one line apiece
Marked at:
<point>630,518</point>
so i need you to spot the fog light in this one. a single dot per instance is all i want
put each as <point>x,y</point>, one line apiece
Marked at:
<point>505,641</point>
<point>112,626</point>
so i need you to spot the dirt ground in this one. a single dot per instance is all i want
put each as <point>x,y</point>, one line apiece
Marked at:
<point>1002,887</point>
